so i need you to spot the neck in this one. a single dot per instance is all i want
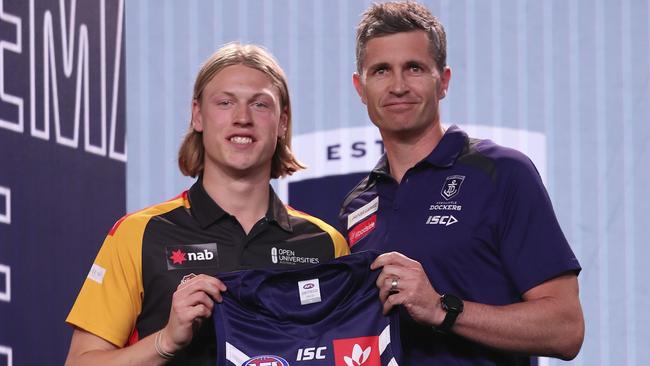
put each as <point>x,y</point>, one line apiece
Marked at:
<point>404,151</point>
<point>246,198</point>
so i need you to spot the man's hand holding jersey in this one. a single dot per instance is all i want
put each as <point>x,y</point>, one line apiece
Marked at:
<point>403,281</point>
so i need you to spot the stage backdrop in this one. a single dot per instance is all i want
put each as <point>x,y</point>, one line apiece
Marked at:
<point>62,163</point>
<point>565,81</point>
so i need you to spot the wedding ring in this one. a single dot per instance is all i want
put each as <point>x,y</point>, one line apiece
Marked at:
<point>393,284</point>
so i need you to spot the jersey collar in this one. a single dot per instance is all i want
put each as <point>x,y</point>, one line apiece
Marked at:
<point>207,212</point>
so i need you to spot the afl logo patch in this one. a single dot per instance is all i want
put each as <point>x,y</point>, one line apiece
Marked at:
<point>266,360</point>
<point>452,186</point>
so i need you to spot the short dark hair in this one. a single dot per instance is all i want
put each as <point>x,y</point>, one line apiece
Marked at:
<point>397,17</point>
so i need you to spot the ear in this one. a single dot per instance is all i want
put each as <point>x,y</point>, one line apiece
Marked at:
<point>284,125</point>
<point>197,121</point>
<point>445,78</point>
<point>358,85</point>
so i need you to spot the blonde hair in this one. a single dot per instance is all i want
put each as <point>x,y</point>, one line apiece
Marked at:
<point>191,154</point>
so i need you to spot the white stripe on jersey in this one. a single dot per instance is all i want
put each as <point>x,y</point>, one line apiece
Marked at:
<point>384,339</point>
<point>234,355</point>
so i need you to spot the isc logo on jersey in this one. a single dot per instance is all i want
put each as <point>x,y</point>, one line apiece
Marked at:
<point>311,353</point>
<point>357,351</point>
<point>266,360</point>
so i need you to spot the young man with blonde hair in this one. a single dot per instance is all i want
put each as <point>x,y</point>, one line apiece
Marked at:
<point>151,289</point>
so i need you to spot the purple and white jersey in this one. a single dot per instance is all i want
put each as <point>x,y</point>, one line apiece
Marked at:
<point>327,314</point>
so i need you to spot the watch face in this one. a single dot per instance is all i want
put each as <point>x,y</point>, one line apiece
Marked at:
<point>452,303</point>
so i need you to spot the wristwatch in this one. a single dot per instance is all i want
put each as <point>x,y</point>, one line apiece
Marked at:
<point>453,305</point>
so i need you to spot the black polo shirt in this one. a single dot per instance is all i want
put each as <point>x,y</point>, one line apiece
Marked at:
<point>145,256</point>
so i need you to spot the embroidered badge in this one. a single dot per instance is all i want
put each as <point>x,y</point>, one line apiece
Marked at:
<point>452,186</point>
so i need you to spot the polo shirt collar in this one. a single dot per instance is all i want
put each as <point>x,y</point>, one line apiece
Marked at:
<point>207,212</point>
<point>277,211</point>
<point>449,148</point>
<point>444,155</point>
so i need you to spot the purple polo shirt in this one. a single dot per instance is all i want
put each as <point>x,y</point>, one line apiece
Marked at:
<point>477,217</point>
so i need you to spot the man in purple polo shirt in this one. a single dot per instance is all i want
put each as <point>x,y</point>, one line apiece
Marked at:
<point>475,256</point>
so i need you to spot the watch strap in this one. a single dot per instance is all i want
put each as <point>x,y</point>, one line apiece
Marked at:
<point>452,312</point>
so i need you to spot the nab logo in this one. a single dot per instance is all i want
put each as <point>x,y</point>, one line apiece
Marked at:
<point>179,257</point>
<point>191,256</point>
<point>357,351</point>
<point>266,360</point>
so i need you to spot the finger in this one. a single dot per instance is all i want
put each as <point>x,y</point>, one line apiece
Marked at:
<point>194,280</point>
<point>384,295</point>
<point>201,298</point>
<point>210,285</point>
<point>180,304</point>
<point>382,260</point>
<point>214,281</point>
<point>391,301</point>
<point>200,311</point>
<point>389,284</point>
<point>388,273</point>
<point>392,258</point>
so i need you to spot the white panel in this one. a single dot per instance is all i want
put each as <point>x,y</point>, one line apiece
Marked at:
<point>5,214</point>
<point>6,295</point>
<point>17,126</point>
<point>7,351</point>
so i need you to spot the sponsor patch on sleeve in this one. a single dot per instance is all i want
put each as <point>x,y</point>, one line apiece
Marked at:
<point>97,273</point>
<point>362,230</point>
<point>363,212</point>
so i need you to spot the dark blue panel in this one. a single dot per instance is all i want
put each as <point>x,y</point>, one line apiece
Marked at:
<point>64,198</point>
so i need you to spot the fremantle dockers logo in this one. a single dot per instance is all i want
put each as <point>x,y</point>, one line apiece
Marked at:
<point>452,186</point>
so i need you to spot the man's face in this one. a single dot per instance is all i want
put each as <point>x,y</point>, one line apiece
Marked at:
<point>240,117</point>
<point>401,85</point>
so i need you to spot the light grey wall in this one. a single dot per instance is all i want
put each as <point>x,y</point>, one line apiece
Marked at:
<point>576,71</point>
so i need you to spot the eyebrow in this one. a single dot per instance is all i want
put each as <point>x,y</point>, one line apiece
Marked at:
<point>385,64</point>
<point>254,96</point>
<point>378,66</point>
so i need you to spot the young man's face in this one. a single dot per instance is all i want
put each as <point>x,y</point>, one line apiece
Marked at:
<point>400,84</point>
<point>240,117</point>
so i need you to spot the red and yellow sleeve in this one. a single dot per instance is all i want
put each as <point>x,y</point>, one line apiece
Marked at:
<point>110,299</point>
